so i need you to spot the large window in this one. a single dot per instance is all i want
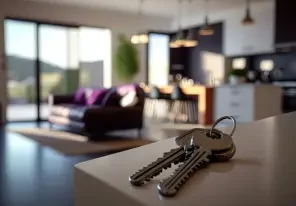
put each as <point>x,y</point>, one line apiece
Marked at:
<point>45,58</point>
<point>95,57</point>
<point>158,59</point>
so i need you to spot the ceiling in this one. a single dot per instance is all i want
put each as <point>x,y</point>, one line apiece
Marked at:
<point>156,7</point>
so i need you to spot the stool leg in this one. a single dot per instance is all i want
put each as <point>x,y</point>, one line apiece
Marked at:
<point>171,111</point>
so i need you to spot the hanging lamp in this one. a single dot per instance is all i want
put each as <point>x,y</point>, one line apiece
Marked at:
<point>179,39</point>
<point>206,29</point>
<point>191,39</point>
<point>248,20</point>
<point>140,38</point>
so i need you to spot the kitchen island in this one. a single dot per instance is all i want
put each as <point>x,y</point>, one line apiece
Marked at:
<point>246,102</point>
<point>204,96</point>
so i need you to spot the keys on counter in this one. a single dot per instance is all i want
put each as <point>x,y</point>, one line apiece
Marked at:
<point>196,148</point>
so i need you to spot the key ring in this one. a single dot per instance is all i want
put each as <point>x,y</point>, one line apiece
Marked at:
<point>220,120</point>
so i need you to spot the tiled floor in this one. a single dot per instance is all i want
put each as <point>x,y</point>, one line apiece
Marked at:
<point>35,175</point>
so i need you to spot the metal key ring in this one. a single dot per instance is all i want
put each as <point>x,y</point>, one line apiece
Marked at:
<point>220,120</point>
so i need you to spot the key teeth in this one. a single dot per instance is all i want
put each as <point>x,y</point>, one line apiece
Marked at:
<point>141,182</point>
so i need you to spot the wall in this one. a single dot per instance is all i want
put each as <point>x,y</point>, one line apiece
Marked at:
<point>201,66</point>
<point>195,60</point>
<point>285,61</point>
<point>116,21</point>
<point>262,33</point>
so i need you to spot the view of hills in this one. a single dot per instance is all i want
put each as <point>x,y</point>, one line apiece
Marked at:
<point>21,68</point>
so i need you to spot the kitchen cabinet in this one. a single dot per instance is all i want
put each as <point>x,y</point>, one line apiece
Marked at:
<point>258,38</point>
<point>247,102</point>
<point>285,17</point>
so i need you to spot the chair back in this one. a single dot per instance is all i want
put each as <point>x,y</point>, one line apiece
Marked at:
<point>154,93</point>
<point>177,93</point>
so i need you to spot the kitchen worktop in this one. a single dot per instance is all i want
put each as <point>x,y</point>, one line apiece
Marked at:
<point>204,96</point>
<point>261,173</point>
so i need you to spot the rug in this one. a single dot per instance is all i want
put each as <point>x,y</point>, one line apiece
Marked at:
<point>75,144</point>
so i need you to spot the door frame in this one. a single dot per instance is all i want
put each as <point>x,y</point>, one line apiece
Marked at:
<point>37,68</point>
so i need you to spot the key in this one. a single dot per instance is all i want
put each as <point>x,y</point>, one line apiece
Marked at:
<point>174,156</point>
<point>205,148</point>
<point>185,138</point>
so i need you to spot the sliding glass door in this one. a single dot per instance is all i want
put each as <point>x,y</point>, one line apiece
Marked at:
<point>49,58</point>
<point>41,59</point>
<point>21,57</point>
<point>58,62</point>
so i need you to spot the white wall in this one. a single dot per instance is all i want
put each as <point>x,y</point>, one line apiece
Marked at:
<point>260,34</point>
<point>116,21</point>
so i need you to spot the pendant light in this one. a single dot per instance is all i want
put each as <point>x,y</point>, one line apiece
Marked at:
<point>206,29</point>
<point>191,39</point>
<point>248,20</point>
<point>179,39</point>
<point>140,38</point>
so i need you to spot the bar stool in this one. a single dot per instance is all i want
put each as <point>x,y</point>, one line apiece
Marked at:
<point>183,108</point>
<point>157,104</point>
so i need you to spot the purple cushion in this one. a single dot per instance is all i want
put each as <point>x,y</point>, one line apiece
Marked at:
<point>79,97</point>
<point>96,96</point>
<point>124,89</point>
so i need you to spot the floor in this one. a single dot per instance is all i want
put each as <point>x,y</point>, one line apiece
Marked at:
<point>32,174</point>
<point>17,112</point>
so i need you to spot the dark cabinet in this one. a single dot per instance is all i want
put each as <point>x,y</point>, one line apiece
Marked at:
<point>179,61</point>
<point>285,22</point>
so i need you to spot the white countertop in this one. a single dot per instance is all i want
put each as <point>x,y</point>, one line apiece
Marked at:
<point>261,173</point>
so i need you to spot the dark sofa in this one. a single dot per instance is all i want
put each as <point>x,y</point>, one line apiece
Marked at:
<point>103,116</point>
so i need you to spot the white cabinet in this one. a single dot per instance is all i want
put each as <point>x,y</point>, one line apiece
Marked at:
<point>247,102</point>
<point>252,39</point>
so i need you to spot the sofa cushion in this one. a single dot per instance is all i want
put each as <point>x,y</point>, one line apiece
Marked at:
<point>79,97</point>
<point>126,88</point>
<point>71,111</point>
<point>112,98</point>
<point>129,100</point>
<point>96,96</point>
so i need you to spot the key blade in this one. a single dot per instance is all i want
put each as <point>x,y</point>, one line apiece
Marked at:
<point>170,186</point>
<point>155,168</point>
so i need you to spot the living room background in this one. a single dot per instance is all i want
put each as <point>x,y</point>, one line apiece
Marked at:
<point>128,24</point>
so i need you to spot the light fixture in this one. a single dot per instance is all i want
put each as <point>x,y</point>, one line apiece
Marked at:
<point>191,40</point>
<point>206,29</point>
<point>173,43</point>
<point>180,40</point>
<point>141,38</point>
<point>248,20</point>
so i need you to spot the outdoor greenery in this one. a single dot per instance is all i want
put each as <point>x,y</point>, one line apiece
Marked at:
<point>55,83</point>
<point>126,59</point>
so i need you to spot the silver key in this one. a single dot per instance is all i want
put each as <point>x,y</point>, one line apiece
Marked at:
<point>205,148</point>
<point>174,156</point>
<point>143,175</point>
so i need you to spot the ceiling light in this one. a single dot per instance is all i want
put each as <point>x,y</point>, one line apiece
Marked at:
<point>143,38</point>
<point>190,41</point>
<point>248,20</point>
<point>135,39</point>
<point>206,29</point>
<point>174,44</point>
<point>180,38</point>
